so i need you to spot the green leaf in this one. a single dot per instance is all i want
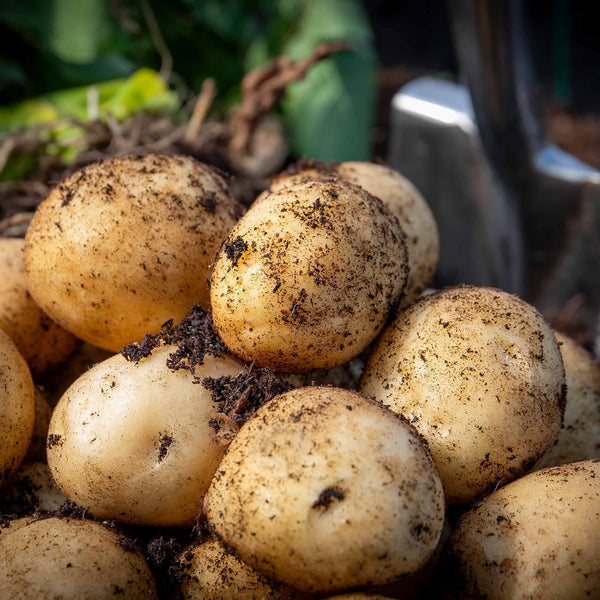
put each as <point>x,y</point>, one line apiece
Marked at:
<point>329,114</point>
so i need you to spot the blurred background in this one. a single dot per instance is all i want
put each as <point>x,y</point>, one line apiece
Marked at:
<point>85,79</point>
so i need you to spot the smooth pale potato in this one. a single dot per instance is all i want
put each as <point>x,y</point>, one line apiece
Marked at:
<point>43,411</point>
<point>212,572</point>
<point>41,341</point>
<point>7,527</point>
<point>402,198</point>
<point>65,558</point>
<point>326,490</point>
<point>478,372</point>
<point>17,407</point>
<point>579,438</point>
<point>124,244</point>
<point>35,482</point>
<point>537,537</point>
<point>308,277</point>
<point>132,441</point>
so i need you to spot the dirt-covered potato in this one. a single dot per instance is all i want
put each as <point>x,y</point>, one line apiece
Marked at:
<point>65,558</point>
<point>43,411</point>
<point>210,571</point>
<point>579,438</point>
<point>123,245</point>
<point>401,197</point>
<point>537,537</point>
<point>41,341</point>
<point>307,278</point>
<point>325,490</point>
<point>478,372</point>
<point>17,407</point>
<point>131,441</point>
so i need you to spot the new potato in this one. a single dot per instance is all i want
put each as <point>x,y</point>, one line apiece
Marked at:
<point>307,278</point>
<point>17,407</point>
<point>479,374</point>
<point>325,490</point>
<point>132,441</point>
<point>65,558</point>
<point>125,244</point>
<point>537,537</point>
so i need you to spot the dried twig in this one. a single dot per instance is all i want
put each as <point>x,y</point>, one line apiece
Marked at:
<point>264,86</point>
<point>201,108</point>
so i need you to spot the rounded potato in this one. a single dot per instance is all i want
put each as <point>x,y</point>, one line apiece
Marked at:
<point>579,438</point>
<point>123,245</point>
<point>41,341</point>
<point>307,278</point>
<point>17,407</point>
<point>326,490</point>
<point>132,441</point>
<point>402,198</point>
<point>478,372</point>
<point>212,572</point>
<point>64,558</point>
<point>537,537</point>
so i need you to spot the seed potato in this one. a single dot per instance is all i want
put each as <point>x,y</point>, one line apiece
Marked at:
<point>537,537</point>
<point>212,572</point>
<point>41,341</point>
<point>402,198</point>
<point>307,278</point>
<point>64,558</point>
<point>326,490</point>
<point>478,372</point>
<point>17,407</point>
<point>132,441</point>
<point>124,244</point>
<point>579,437</point>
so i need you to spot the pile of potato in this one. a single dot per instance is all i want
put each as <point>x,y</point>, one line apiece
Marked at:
<point>420,480</point>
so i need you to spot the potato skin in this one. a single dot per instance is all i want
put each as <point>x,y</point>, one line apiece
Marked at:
<point>132,442</point>
<point>17,407</point>
<point>43,343</point>
<point>537,537</point>
<point>579,438</point>
<point>64,558</point>
<point>43,411</point>
<point>307,278</point>
<point>401,197</point>
<point>326,490</point>
<point>478,372</point>
<point>212,572</point>
<point>125,244</point>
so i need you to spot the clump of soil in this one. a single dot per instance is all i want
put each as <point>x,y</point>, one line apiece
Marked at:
<point>238,398</point>
<point>194,337</point>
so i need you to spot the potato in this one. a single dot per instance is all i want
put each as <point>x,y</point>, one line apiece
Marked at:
<point>43,411</point>
<point>132,441</point>
<point>537,537</point>
<point>326,490</point>
<point>209,571</point>
<point>579,437</point>
<point>478,372</point>
<point>17,407</point>
<point>358,596</point>
<point>64,558</point>
<point>125,244</point>
<point>307,278</point>
<point>402,198</point>
<point>41,341</point>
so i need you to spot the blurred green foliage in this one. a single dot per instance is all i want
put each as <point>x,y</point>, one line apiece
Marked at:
<point>49,45</point>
